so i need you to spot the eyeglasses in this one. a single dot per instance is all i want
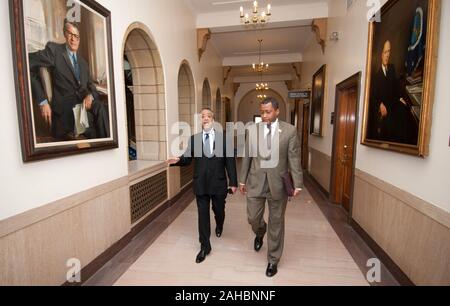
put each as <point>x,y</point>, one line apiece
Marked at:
<point>72,35</point>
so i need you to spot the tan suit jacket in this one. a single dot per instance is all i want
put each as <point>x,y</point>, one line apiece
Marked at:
<point>253,175</point>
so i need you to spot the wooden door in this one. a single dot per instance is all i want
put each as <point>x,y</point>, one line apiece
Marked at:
<point>345,141</point>
<point>348,126</point>
<point>305,136</point>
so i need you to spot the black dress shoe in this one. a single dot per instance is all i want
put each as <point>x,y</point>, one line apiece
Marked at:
<point>219,232</point>
<point>272,270</point>
<point>259,241</point>
<point>202,255</point>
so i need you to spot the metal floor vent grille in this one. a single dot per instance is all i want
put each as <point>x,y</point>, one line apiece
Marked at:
<point>147,194</point>
<point>186,175</point>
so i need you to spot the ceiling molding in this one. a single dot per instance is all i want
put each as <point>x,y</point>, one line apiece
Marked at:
<point>296,70</point>
<point>236,87</point>
<point>266,78</point>
<point>286,13</point>
<point>226,73</point>
<point>269,59</point>
<point>289,85</point>
<point>203,36</point>
<point>319,27</point>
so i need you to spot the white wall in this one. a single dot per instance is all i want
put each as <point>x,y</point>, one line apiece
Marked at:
<point>27,186</point>
<point>427,178</point>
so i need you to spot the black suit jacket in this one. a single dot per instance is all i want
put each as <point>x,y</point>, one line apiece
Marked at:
<point>67,90</point>
<point>385,90</point>
<point>209,173</point>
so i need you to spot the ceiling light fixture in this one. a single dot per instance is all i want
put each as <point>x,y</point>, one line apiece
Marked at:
<point>262,86</point>
<point>256,17</point>
<point>262,97</point>
<point>261,66</point>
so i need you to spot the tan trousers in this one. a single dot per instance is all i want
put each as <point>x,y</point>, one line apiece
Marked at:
<point>276,227</point>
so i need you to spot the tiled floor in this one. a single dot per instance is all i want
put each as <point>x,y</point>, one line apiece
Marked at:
<point>313,255</point>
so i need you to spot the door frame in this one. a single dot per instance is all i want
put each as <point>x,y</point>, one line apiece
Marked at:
<point>354,80</point>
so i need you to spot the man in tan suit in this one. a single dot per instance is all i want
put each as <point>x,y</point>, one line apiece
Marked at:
<point>262,179</point>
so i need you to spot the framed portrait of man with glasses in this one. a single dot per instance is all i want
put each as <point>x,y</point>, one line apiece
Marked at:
<point>64,77</point>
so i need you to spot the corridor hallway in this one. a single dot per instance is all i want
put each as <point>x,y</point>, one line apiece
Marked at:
<point>368,98</point>
<point>313,255</point>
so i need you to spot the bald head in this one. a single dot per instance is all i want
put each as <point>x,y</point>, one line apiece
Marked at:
<point>386,54</point>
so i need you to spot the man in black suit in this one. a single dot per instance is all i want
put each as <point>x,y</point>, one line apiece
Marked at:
<point>390,118</point>
<point>209,150</point>
<point>72,85</point>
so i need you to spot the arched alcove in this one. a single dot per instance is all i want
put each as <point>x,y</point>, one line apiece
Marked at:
<point>206,94</point>
<point>186,112</point>
<point>186,95</point>
<point>249,105</point>
<point>218,107</point>
<point>145,95</point>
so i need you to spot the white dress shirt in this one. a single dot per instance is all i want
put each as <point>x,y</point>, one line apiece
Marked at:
<point>385,70</point>
<point>274,127</point>
<point>212,138</point>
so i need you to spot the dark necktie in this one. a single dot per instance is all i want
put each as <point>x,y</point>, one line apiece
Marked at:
<point>269,137</point>
<point>207,148</point>
<point>76,67</point>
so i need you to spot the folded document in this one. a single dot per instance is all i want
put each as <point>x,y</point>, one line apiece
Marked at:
<point>81,119</point>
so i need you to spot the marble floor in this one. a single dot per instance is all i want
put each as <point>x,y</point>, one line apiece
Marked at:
<point>313,254</point>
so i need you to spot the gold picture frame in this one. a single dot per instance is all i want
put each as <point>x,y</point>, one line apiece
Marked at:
<point>404,124</point>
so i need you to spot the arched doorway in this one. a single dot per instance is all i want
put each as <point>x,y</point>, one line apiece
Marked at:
<point>146,107</point>
<point>206,94</point>
<point>186,111</point>
<point>218,106</point>
<point>249,106</point>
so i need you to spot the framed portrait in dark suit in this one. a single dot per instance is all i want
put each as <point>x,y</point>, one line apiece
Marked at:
<point>62,53</point>
<point>317,101</point>
<point>400,78</point>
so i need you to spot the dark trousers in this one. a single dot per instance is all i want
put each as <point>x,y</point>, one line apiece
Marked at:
<point>204,223</point>
<point>98,123</point>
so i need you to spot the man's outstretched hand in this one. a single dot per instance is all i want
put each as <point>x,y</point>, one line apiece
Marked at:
<point>173,160</point>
